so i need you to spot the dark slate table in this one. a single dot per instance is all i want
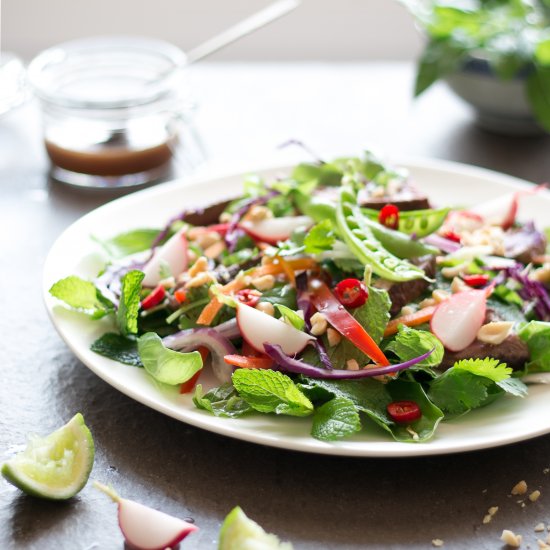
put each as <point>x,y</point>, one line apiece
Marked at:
<point>313,501</point>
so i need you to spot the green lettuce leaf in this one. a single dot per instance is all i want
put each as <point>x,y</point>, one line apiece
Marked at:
<point>129,242</point>
<point>221,401</point>
<point>82,296</point>
<point>118,348</point>
<point>166,365</point>
<point>128,308</point>
<point>335,419</point>
<point>270,391</point>
<point>536,334</point>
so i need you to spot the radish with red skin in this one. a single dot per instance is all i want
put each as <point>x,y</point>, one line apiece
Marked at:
<point>457,320</point>
<point>172,253</point>
<point>257,328</point>
<point>273,230</point>
<point>145,528</point>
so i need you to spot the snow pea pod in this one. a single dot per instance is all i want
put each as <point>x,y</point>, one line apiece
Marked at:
<point>415,222</point>
<point>366,247</point>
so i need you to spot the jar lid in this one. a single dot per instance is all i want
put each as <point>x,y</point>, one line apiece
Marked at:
<point>108,72</point>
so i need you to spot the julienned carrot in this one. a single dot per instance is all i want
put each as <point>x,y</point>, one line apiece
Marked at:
<point>275,268</point>
<point>248,362</point>
<point>411,320</point>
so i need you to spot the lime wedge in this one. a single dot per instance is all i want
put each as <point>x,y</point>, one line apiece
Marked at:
<point>241,533</point>
<point>56,466</point>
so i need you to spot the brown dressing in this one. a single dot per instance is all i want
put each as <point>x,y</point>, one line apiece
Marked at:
<point>109,160</point>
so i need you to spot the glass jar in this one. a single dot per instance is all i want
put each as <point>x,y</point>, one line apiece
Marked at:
<point>113,109</point>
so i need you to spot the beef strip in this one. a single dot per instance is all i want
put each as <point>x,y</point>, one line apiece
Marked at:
<point>404,293</point>
<point>407,198</point>
<point>513,351</point>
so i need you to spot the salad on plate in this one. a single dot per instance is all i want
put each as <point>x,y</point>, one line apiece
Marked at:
<point>337,292</point>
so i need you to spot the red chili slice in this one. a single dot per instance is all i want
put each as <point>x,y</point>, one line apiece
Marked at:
<point>404,412</point>
<point>155,298</point>
<point>389,216</point>
<point>476,280</point>
<point>248,297</point>
<point>352,293</point>
<point>452,236</point>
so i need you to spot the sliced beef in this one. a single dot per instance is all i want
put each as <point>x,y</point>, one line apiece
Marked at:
<point>524,243</point>
<point>407,198</point>
<point>512,351</point>
<point>206,216</point>
<point>404,293</point>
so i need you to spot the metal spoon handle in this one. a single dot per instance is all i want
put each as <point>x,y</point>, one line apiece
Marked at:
<point>245,27</point>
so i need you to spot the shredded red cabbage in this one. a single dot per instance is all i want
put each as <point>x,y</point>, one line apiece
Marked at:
<point>289,364</point>
<point>533,292</point>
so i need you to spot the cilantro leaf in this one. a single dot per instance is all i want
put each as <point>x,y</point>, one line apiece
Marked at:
<point>221,401</point>
<point>319,238</point>
<point>335,419</point>
<point>118,348</point>
<point>271,392</point>
<point>166,365</point>
<point>81,295</point>
<point>410,343</point>
<point>489,368</point>
<point>536,335</point>
<point>129,242</point>
<point>128,308</point>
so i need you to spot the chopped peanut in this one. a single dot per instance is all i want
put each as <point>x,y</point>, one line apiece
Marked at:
<point>519,488</point>
<point>202,278</point>
<point>427,303</point>
<point>334,337</point>
<point>438,543</point>
<point>258,213</point>
<point>534,496</point>
<point>352,364</point>
<point>199,266</point>
<point>510,538</point>
<point>495,332</point>
<point>225,217</point>
<point>406,310</point>
<point>266,307</point>
<point>207,239</point>
<point>265,282</point>
<point>450,272</point>
<point>319,324</point>
<point>440,295</point>
<point>214,250</point>
<point>458,285</point>
<point>539,527</point>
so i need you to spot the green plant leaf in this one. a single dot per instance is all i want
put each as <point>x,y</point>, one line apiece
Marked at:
<point>81,295</point>
<point>538,93</point>
<point>129,242</point>
<point>118,348</point>
<point>270,391</point>
<point>221,401</point>
<point>410,343</point>
<point>319,238</point>
<point>335,419</point>
<point>128,308</point>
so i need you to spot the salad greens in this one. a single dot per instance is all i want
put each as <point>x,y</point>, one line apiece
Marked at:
<point>310,302</point>
<point>511,35</point>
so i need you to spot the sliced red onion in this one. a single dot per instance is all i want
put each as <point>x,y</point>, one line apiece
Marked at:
<point>219,346</point>
<point>233,232</point>
<point>108,283</point>
<point>445,245</point>
<point>285,363</point>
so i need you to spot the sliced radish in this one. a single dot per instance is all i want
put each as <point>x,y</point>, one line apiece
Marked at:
<point>147,529</point>
<point>257,328</point>
<point>456,320</point>
<point>173,253</point>
<point>273,230</point>
<point>503,210</point>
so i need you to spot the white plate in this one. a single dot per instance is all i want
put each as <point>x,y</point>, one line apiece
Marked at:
<point>506,421</point>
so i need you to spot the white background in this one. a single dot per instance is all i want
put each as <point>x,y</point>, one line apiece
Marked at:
<point>332,30</point>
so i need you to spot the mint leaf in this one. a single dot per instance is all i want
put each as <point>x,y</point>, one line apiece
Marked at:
<point>271,391</point>
<point>335,419</point>
<point>319,238</point>
<point>457,391</point>
<point>128,307</point>
<point>410,343</point>
<point>166,365</point>
<point>291,316</point>
<point>489,368</point>
<point>536,335</point>
<point>81,295</point>
<point>513,386</point>
<point>128,243</point>
<point>221,401</point>
<point>118,348</point>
